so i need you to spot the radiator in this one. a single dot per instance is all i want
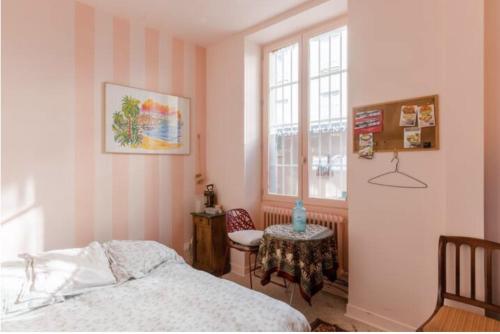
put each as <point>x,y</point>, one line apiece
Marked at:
<point>273,215</point>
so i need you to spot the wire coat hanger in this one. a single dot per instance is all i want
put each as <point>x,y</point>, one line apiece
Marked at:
<point>373,180</point>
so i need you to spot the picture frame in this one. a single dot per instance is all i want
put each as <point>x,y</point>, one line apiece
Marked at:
<point>139,121</point>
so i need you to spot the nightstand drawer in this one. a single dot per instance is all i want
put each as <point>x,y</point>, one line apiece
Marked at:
<point>201,221</point>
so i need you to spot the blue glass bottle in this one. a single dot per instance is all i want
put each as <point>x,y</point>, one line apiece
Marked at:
<point>299,217</point>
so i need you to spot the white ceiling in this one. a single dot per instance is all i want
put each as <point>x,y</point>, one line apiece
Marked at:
<point>199,21</point>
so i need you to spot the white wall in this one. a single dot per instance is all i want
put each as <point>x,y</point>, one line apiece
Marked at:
<point>225,121</point>
<point>403,49</point>
<point>233,122</point>
<point>462,100</point>
<point>393,234</point>
<point>233,128</point>
<point>253,138</point>
<point>225,127</point>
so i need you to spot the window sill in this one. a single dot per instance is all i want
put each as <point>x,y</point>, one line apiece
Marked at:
<point>319,205</point>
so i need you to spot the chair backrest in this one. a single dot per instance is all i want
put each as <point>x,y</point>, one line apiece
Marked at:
<point>488,248</point>
<point>238,220</point>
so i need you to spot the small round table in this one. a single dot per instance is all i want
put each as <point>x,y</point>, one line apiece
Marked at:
<point>299,257</point>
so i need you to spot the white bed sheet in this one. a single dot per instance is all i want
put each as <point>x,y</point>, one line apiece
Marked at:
<point>173,297</point>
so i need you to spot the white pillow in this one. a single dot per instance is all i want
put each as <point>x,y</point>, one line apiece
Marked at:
<point>66,272</point>
<point>246,237</point>
<point>13,276</point>
<point>136,258</point>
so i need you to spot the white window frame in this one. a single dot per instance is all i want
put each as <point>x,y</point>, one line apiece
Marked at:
<point>265,119</point>
<point>302,38</point>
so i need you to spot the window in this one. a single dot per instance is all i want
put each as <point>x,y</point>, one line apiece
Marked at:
<point>327,125</point>
<point>305,120</point>
<point>283,131</point>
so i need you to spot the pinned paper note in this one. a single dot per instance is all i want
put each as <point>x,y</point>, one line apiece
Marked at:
<point>426,116</point>
<point>412,137</point>
<point>366,145</point>
<point>408,115</point>
<point>368,121</point>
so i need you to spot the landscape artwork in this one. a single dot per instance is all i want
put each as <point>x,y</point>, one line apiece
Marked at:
<point>145,122</point>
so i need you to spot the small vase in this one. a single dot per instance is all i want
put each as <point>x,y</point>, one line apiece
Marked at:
<point>299,217</point>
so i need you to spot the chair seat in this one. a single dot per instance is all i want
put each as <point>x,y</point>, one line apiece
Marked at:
<point>450,319</point>
<point>246,237</point>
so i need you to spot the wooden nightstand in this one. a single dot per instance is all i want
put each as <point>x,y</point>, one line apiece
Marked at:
<point>209,243</point>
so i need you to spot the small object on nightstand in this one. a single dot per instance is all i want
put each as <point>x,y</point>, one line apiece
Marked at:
<point>209,243</point>
<point>213,211</point>
<point>209,195</point>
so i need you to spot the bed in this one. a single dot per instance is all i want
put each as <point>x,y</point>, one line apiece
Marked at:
<point>171,297</point>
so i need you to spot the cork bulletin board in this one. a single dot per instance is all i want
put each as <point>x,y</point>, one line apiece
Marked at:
<point>391,137</point>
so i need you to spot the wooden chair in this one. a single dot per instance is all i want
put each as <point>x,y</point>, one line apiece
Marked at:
<point>451,319</point>
<point>239,220</point>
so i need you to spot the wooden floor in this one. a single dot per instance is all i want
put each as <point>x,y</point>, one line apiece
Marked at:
<point>326,306</point>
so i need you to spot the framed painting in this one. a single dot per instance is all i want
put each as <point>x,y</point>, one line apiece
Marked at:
<point>145,122</point>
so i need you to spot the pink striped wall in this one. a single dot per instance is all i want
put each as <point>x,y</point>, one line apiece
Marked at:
<point>201,105</point>
<point>120,175</point>
<point>178,162</point>
<point>84,124</point>
<point>115,196</point>
<point>152,163</point>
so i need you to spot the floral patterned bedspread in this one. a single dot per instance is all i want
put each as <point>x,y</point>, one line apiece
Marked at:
<point>173,297</point>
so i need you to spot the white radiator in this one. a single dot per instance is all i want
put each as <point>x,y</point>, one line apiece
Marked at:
<point>273,215</point>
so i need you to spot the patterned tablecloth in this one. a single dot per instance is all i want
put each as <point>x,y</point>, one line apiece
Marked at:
<point>300,257</point>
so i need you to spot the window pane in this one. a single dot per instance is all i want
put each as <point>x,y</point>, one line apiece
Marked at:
<point>344,48</point>
<point>313,57</point>
<point>327,115</point>
<point>324,55</point>
<point>295,64</point>
<point>283,119</point>
<point>272,71</point>
<point>314,101</point>
<point>295,104</point>
<point>334,54</point>
<point>287,66</point>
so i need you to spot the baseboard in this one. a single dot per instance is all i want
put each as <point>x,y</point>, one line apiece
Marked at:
<point>376,320</point>
<point>335,289</point>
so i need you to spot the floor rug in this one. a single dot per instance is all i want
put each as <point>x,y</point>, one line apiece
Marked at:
<point>319,325</point>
